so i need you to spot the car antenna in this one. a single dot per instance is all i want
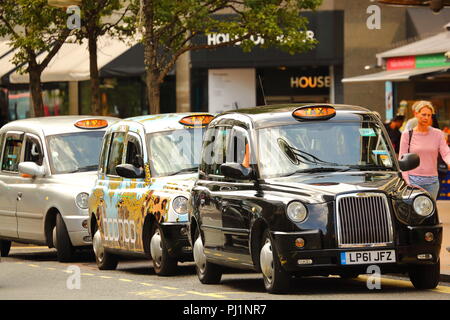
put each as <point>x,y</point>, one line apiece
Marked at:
<point>262,89</point>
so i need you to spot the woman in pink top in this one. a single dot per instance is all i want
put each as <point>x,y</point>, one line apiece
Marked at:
<point>426,141</point>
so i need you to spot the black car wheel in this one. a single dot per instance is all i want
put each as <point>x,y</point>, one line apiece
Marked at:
<point>163,263</point>
<point>61,241</point>
<point>207,272</point>
<point>104,259</point>
<point>425,276</point>
<point>5,246</point>
<point>276,279</point>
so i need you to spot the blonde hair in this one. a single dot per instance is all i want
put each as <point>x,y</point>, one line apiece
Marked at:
<point>419,105</point>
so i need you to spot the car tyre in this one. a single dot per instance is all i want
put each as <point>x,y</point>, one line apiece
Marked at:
<point>207,272</point>
<point>163,263</point>
<point>276,278</point>
<point>61,241</point>
<point>425,276</point>
<point>104,259</point>
<point>5,246</point>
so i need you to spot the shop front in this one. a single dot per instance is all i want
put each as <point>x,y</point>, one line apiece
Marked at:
<point>228,78</point>
<point>417,71</point>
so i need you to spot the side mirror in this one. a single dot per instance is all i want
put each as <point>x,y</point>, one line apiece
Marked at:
<point>31,169</point>
<point>409,161</point>
<point>129,171</point>
<point>236,171</point>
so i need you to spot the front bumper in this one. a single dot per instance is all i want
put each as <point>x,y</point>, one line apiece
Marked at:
<point>79,235</point>
<point>328,260</point>
<point>176,236</point>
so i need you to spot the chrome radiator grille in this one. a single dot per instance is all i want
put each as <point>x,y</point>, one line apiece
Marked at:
<point>363,219</point>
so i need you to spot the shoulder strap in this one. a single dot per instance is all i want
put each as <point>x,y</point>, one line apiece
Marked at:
<point>410,137</point>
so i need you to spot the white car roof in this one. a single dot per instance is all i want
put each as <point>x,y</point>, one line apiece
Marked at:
<point>53,125</point>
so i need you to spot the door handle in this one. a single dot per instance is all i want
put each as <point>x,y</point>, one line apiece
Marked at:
<point>19,196</point>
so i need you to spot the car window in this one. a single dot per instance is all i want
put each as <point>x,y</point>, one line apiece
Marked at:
<point>175,152</point>
<point>11,156</point>
<point>239,149</point>
<point>285,150</point>
<point>104,154</point>
<point>134,151</point>
<point>215,147</point>
<point>115,153</point>
<point>74,152</point>
<point>33,150</point>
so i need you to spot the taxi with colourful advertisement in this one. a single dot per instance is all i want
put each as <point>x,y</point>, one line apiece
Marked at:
<point>48,167</point>
<point>138,205</point>
<point>298,190</point>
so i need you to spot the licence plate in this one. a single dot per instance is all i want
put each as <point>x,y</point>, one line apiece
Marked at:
<point>368,257</point>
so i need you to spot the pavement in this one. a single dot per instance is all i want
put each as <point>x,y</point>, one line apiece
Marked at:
<point>444,216</point>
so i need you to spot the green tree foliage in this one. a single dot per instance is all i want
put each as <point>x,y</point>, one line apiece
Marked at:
<point>33,28</point>
<point>169,27</point>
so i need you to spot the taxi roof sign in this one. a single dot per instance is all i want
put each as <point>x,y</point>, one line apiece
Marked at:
<point>314,113</point>
<point>91,124</point>
<point>199,120</point>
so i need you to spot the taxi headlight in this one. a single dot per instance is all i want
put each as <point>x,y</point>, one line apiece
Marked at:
<point>423,206</point>
<point>82,200</point>
<point>179,205</point>
<point>296,211</point>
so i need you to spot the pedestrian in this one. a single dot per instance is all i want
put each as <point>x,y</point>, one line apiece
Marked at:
<point>427,142</point>
<point>393,130</point>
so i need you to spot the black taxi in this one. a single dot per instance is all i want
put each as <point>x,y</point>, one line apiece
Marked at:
<point>298,190</point>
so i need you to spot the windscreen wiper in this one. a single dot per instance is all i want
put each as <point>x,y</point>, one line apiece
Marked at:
<point>193,169</point>
<point>319,169</point>
<point>371,167</point>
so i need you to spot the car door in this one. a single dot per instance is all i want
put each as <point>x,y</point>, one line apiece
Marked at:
<point>111,185</point>
<point>8,183</point>
<point>236,198</point>
<point>32,196</point>
<point>130,216</point>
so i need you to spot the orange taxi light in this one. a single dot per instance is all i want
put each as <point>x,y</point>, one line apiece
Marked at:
<point>91,124</point>
<point>314,113</point>
<point>197,120</point>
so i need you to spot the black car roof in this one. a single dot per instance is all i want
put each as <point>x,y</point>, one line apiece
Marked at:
<point>281,114</point>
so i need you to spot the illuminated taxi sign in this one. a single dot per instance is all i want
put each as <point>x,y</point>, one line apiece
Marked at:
<point>91,124</point>
<point>201,120</point>
<point>314,113</point>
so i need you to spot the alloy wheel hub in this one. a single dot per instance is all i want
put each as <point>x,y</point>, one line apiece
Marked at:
<point>199,255</point>
<point>156,248</point>
<point>266,260</point>
<point>99,251</point>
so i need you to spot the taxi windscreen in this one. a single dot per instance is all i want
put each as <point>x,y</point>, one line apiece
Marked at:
<point>74,152</point>
<point>175,152</point>
<point>323,146</point>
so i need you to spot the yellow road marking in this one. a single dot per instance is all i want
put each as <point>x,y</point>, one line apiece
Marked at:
<point>126,280</point>
<point>146,284</point>
<point>88,274</point>
<point>214,295</point>
<point>51,268</point>
<point>67,271</point>
<point>19,262</point>
<point>33,265</point>
<point>170,288</point>
<point>105,277</point>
